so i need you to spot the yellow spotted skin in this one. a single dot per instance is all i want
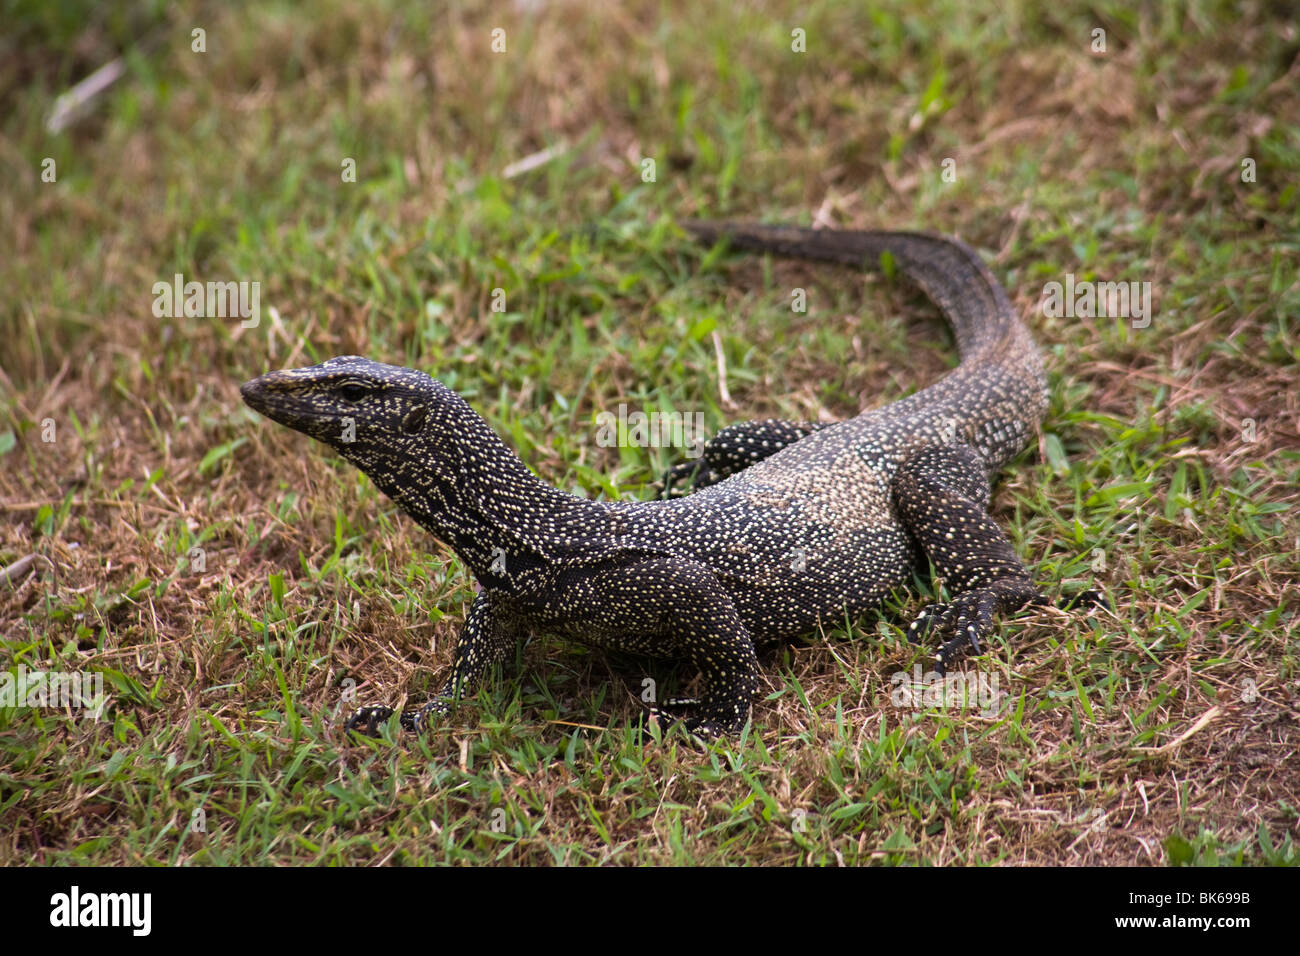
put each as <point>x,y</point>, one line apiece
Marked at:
<point>791,524</point>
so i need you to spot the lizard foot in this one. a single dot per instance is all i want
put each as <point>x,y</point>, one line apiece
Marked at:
<point>702,729</point>
<point>682,702</point>
<point>416,720</point>
<point>968,617</point>
<point>707,728</point>
<point>1086,600</point>
<point>659,710</point>
<point>686,471</point>
<point>368,720</point>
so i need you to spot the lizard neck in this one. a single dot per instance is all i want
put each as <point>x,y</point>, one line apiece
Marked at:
<point>465,486</point>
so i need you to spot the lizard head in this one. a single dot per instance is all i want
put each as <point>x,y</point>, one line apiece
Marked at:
<point>370,413</point>
<point>420,443</point>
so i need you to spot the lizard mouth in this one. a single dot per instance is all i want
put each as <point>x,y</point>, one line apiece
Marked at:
<point>257,395</point>
<point>272,395</point>
<point>289,398</point>
<point>253,394</point>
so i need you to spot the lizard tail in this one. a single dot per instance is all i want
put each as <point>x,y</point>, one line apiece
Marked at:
<point>947,270</point>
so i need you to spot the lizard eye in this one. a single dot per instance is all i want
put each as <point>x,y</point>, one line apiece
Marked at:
<point>353,392</point>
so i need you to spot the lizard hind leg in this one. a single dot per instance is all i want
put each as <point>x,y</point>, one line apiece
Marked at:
<point>942,494</point>
<point>734,449</point>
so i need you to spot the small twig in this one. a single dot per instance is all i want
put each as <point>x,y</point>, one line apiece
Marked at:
<point>1200,724</point>
<point>570,723</point>
<point>723,393</point>
<point>11,574</point>
<point>78,101</point>
<point>18,568</point>
<point>83,503</point>
<point>539,158</point>
<point>1098,823</point>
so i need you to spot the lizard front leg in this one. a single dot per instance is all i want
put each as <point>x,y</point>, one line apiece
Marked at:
<point>486,640</point>
<point>734,449</point>
<point>670,607</point>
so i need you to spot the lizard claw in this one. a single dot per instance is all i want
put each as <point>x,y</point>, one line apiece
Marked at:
<point>969,616</point>
<point>920,627</point>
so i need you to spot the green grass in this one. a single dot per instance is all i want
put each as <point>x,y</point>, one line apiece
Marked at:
<point>1162,734</point>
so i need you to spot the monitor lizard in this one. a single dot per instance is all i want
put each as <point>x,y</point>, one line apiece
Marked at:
<point>790,524</point>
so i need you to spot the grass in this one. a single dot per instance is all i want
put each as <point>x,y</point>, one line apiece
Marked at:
<point>1166,473</point>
